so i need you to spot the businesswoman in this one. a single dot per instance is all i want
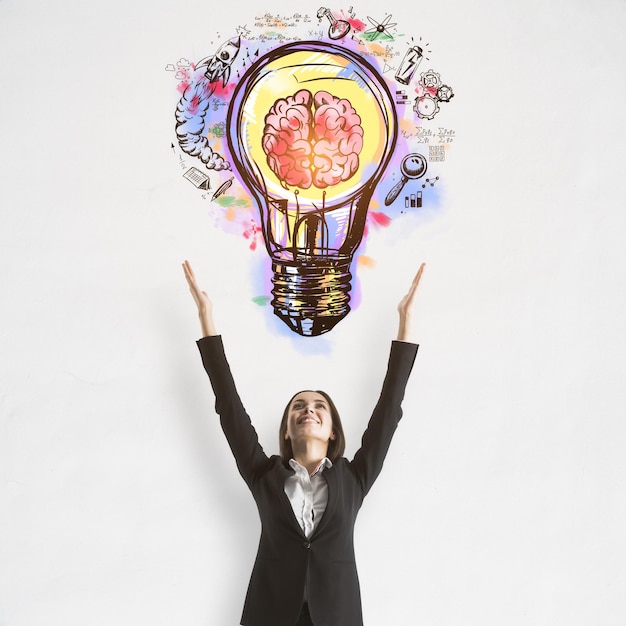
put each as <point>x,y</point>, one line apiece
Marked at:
<point>308,497</point>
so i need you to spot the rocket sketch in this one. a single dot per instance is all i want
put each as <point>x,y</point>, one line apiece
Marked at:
<point>218,65</point>
<point>192,108</point>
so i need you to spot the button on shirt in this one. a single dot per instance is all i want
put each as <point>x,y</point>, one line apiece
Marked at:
<point>308,494</point>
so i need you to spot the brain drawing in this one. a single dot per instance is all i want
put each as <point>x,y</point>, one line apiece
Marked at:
<point>312,140</point>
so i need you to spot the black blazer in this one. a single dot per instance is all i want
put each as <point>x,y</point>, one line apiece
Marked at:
<point>286,559</point>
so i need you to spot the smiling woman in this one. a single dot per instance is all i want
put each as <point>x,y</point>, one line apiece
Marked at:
<point>308,497</point>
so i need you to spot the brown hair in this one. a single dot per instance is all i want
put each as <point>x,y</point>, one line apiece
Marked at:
<point>336,446</point>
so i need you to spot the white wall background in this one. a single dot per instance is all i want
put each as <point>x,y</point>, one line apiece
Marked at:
<point>503,498</point>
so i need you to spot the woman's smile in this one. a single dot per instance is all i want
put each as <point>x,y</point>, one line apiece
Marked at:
<point>308,419</point>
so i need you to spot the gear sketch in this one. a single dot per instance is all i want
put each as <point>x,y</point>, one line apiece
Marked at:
<point>444,93</point>
<point>430,79</point>
<point>426,107</point>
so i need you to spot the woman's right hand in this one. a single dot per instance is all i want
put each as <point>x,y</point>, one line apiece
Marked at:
<point>201,298</point>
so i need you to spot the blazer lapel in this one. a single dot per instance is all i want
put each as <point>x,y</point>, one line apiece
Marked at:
<point>332,480</point>
<point>279,485</point>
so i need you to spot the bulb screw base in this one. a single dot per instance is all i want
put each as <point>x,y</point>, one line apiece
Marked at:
<point>311,297</point>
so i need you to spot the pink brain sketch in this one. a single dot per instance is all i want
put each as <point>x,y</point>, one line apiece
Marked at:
<point>312,140</point>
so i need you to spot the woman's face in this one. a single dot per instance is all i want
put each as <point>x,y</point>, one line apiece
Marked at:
<point>309,417</point>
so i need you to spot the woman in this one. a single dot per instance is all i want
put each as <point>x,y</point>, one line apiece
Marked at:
<point>308,498</point>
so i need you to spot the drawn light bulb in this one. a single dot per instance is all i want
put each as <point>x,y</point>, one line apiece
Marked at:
<point>312,127</point>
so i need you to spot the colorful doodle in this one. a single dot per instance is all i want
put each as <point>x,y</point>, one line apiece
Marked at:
<point>292,121</point>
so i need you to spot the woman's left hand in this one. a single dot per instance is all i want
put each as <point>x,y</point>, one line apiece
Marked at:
<point>405,307</point>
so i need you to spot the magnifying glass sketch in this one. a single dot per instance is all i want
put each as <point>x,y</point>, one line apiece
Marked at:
<point>413,166</point>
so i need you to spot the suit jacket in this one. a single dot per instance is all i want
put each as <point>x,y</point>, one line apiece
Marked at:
<point>286,560</point>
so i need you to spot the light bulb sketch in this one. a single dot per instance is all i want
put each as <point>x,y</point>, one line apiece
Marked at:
<point>311,129</point>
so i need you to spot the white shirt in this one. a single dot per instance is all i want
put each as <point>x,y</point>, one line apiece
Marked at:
<point>308,494</point>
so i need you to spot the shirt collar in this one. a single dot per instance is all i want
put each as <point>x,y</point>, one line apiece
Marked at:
<point>325,463</point>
